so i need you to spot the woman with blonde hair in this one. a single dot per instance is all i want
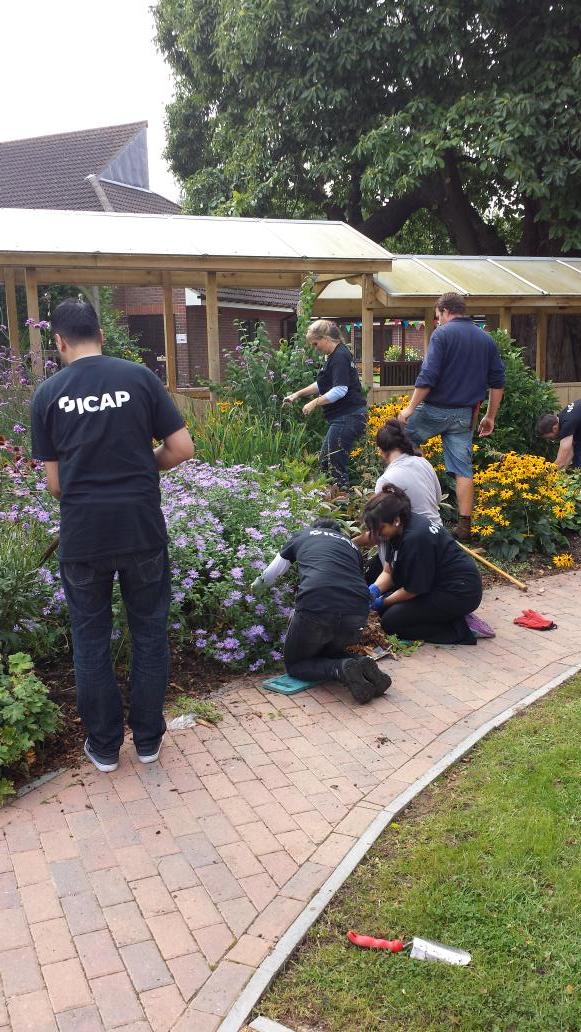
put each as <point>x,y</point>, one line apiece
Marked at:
<point>338,389</point>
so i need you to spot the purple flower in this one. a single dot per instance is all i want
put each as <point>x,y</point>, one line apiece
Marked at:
<point>256,665</point>
<point>230,643</point>
<point>254,632</point>
<point>30,322</point>
<point>254,534</point>
<point>18,428</point>
<point>215,575</point>
<point>237,573</point>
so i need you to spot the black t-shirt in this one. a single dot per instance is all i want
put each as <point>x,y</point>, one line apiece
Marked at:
<point>570,422</point>
<point>97,418</point>
<point>428,557</point>
<point>339,370</point>
<point>330,572</point>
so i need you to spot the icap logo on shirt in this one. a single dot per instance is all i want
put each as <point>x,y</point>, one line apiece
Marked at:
<point>92,403</point>
<point>570,407</point>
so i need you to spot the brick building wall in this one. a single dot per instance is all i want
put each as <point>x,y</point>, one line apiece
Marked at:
<point>228,333</point>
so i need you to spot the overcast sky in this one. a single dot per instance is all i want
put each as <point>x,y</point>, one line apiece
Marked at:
<point>75,64</point>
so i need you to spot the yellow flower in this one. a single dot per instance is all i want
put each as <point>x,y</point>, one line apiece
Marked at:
<point>564,561</point>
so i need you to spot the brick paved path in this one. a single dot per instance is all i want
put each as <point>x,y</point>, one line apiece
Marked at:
<point>145,899</point>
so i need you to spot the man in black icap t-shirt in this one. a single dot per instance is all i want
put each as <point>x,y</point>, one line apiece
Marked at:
<point>331,610</point>
<point>93,424</point>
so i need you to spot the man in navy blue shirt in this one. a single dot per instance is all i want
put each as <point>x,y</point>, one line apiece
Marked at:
<point>93,424</point>
<point>461,366</point>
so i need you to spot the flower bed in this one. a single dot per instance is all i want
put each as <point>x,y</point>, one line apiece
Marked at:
<point>521,506</point>
<point>224,526</point>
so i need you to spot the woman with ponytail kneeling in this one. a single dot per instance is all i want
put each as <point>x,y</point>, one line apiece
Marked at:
<point>428,585</point>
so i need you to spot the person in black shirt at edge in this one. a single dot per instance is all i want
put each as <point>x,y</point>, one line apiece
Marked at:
<point>432,585</point>
<point>339,390</point>
<point>565,427</point>
<point>93,424</point>
<point>331,610</point>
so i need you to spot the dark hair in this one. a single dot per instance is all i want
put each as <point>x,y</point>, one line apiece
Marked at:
<point>391,436</point>
<point>322,328</point>
<point>327,524</point>
<point>546,423</point>
<point>385,507</point>
<point>76,321</point>
<point>452,303</point>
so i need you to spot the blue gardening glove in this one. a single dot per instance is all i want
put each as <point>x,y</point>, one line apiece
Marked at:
<point>375,598</point>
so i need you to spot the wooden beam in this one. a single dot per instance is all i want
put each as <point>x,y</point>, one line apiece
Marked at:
<point>428,327</point>
<point>169,333</point>
<point>12,320</point>
<point>31,285</point>
<point>506,320</point>
<point>367,299</point>
<point>541,355</point>
<point>212,328</point>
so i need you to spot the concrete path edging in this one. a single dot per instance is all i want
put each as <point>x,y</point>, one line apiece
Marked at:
<point>289,941</point>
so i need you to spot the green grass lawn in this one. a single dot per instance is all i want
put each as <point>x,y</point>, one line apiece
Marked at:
<point>487,859</point>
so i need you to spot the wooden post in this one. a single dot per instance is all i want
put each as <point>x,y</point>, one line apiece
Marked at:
<point>12,319</point>
<point>506,320</point>
<point>33,331</point>
<point>541,356</point>
<point>367,299</point>
<point>428,327</point>
<point>169,333</point>
<point>212,328</point>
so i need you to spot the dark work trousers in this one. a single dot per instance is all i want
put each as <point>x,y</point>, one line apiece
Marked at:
<point>337,445</point>
<point>144,578</point>
<point>438,616</point>
<point>316,642</point>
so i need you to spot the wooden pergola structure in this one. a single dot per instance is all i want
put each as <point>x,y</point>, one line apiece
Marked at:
<point>109,249</point>
<point>502,287</point>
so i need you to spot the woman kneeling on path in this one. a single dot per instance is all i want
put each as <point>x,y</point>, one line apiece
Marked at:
<point>429,585</point>
<point>331,610</point>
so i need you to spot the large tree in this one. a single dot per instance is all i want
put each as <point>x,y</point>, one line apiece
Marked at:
<point>459,113</point>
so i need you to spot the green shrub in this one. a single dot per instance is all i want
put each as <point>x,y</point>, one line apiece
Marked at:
<point>525,399</point>
<point>27,716</point>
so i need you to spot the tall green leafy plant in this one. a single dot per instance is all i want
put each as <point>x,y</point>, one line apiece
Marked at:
<point>525,399</point>
<point>262,373</point>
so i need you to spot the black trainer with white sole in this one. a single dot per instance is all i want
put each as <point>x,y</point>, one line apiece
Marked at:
<point>106,764</point>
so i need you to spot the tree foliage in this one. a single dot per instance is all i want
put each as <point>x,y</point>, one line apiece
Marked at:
<point>465,110</point>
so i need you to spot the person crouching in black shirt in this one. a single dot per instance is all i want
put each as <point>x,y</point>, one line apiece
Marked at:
<point>331,610</point>
<point>429,585</point>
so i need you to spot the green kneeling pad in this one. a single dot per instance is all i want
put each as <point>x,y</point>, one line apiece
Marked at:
<point>285,685</point>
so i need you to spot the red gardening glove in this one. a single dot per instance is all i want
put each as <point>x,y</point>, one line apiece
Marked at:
<point>534,621</point>
<point>369,943</point>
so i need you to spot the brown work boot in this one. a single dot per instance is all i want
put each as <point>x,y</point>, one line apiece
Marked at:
<point>463,530</point>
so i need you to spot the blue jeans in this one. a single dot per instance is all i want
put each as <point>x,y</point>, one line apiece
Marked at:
<point>337,444</point>
<point>144,578</point>
<point>455,426</point>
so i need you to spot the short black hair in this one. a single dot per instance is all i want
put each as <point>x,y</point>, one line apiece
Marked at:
<point>76,321</point>
<point>546,423</point>
<point>327,524</point>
